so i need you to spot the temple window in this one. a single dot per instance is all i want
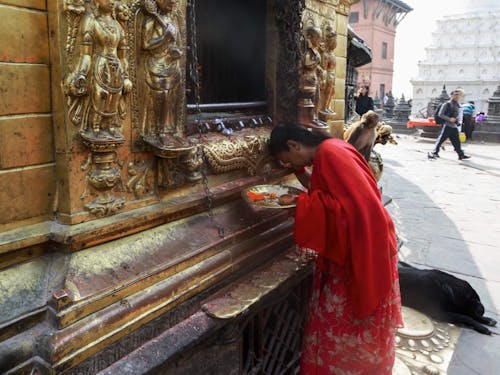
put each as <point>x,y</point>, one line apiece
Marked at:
<point>231,50</point>
<point>381,90</point>
<point>354,17</point>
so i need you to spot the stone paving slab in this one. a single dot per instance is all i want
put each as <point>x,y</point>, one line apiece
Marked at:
<point>447,212</point>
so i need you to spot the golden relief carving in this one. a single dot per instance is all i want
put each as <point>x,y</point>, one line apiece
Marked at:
<point>310,79</point>
<point>250,153</point>
<point>328,64</point>
<point>159,96</point>
<point>317,80</point>
<point>138,181</point>
<point>162,48</point>
<point>96,87</point>
<point>103,177</point>
<point>97,84</point>
<point>173,172</point>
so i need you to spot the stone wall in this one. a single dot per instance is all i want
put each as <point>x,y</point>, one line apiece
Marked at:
<point>27,166</point>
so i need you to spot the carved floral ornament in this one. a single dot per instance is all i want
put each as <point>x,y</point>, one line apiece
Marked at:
<point>249,153</point>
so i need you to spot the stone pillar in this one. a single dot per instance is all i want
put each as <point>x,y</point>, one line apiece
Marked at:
<point>400,119</point>
<point>377,103</point>
<point>402,111</point>
<point>434,103</point>
<point>493,114</point>
<point>433,131</point>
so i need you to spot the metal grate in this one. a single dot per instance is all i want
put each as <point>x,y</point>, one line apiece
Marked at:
<point>272,339</point>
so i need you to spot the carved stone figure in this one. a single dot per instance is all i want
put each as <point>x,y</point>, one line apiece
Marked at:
<point>100,79</point>
<point>95,87</point>
<point>162,45</point>
<point>312,73</point>
<point>328,64</point>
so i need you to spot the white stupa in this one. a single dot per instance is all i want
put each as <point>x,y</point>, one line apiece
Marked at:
<point>464,53</point>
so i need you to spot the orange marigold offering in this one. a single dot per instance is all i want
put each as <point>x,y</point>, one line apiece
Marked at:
<point>256,196</point>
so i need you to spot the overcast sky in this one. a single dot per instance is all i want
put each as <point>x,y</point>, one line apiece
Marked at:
<point>413,35</point>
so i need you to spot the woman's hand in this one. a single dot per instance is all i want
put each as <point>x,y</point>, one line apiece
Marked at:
<point>304,177</point>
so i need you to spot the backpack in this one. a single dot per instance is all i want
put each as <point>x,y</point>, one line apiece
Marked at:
<point>437,119</point>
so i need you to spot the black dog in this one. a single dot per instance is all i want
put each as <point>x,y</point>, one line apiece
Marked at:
<point>443,297</point>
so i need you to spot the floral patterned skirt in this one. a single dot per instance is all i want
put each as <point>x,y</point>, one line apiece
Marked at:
<point>337,343</point>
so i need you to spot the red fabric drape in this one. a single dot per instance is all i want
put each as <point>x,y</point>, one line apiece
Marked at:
<point>343,219</point>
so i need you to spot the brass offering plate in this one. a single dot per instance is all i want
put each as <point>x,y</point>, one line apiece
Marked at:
<point>268,195</point>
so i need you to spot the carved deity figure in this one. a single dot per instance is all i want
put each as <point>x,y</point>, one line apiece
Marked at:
<point>310,79</point>
<point>99,81</point>
<point>162,43</point>
<point>329,64</point>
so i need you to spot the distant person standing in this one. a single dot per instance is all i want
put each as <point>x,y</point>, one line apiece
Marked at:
<point>480,118</point>
<point>450,113</point>
<point>468,124</point>
<point>364,103</point>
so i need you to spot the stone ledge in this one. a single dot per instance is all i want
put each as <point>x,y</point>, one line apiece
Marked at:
<point>165,348</point>
<point>67,347</point>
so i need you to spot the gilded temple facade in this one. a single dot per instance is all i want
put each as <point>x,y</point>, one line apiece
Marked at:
<point>128,130</point>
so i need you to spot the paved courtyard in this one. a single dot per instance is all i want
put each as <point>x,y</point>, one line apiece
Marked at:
<point>448,214</point>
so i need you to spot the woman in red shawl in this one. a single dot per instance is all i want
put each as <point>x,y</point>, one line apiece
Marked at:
<point>355,306</point>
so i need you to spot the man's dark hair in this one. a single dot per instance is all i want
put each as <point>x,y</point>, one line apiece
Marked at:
<point>284,132</point>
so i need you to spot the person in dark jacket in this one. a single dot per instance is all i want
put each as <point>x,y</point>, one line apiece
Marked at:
<point>450,112</point>
<point>364,103</point>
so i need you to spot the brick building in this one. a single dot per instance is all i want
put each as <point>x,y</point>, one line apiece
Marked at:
<point>376,21</point>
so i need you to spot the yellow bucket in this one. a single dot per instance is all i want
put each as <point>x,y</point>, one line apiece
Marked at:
<point>462,137</point>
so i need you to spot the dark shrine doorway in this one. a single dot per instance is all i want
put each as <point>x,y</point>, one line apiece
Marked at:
<point>231,49</point>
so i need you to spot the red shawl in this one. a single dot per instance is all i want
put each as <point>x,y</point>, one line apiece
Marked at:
<point>343,219</point>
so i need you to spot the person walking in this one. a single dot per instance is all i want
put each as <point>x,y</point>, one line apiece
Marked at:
<point>364,103</point>
<point>355,307</point>
<point>468,121</point>
<point>450,113</point>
